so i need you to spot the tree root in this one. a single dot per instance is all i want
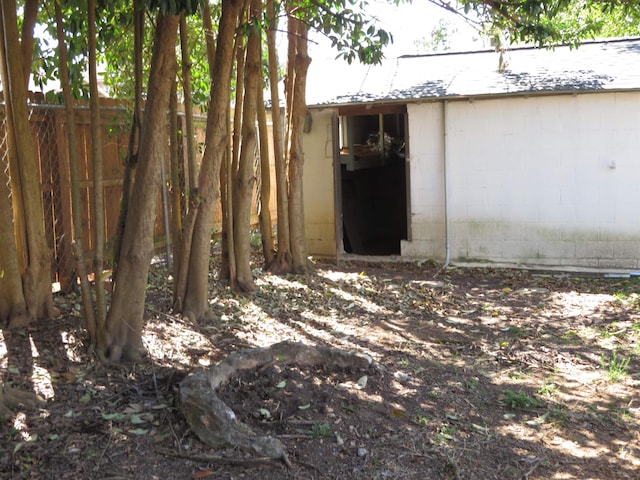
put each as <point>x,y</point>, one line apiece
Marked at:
<point>280,264</point>
<point>11,398</point>
<point>216,424</point>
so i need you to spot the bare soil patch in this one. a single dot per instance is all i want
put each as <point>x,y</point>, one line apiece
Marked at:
<point>478,374</point>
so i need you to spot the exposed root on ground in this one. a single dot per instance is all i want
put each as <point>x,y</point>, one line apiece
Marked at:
<point>216,424</point>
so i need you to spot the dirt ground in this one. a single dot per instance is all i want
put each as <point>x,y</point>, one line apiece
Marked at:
<point>478,374</point>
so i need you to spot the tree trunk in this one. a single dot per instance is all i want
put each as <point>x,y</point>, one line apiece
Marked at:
<point>182,273</point>
<point>13,309</point>
<point>134,134</point>
<point>282,261</point>
<point>28,23</point>
<point>209,39</point>
<point>228,174</point>
<point>195,303</point>
<point>121,339</point>
<point>96,157</point>
<point>227,252</point>
<point>181,242</point>
<point>188,104</point>
<point>76,202</point>
<point>35,272</point>
<point>176,191</point>
<point>266,230</point>
<point>245,177</point>
<point>297,114</point>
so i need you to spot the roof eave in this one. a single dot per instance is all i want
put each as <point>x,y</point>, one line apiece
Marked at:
<point>482,96</point>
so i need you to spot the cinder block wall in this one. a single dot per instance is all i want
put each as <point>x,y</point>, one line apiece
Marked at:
<point>426,173</point>
<point>540,181</point>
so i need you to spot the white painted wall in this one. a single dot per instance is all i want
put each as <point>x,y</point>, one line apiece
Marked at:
<point>539,181</point>
<point>548,181</point>
<point>426,173</point>
<point>318,196</point>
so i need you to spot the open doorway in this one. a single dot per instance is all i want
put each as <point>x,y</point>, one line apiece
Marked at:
<point>372,180</point>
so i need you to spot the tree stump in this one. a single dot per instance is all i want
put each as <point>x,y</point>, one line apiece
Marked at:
<point>215,424</point>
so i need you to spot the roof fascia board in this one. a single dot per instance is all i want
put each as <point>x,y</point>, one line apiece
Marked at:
<point>395,106</point>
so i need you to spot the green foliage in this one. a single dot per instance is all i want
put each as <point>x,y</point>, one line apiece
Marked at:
<point>116,32</point>
<point>548,388</point>
<point>115,45</point>
<point>352,32</point>
<point>255,240</point>
<point>616,367</point>
<point>115,37</point>
<point>317,430</point>
<point>439,37</point>
<point>421,419</point>
<point>45,66</point>
<point>519,401</point>
<point>446,434</point>
<point>554,22</point>
<point>615,19</point>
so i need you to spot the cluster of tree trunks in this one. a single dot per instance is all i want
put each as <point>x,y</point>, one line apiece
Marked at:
<point>25,288</point>
<point>26,294</point>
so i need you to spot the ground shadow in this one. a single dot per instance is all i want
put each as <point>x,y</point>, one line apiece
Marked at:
<point>480,374</point>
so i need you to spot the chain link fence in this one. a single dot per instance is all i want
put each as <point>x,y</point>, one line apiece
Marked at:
<point>49,133</point>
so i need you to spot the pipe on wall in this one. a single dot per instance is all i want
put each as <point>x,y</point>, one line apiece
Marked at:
<point>445,165</point>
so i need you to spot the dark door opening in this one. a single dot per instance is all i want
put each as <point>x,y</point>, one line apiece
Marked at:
<point>373,182</point>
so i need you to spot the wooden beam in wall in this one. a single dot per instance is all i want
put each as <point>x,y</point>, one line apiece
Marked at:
<point>365,109</point>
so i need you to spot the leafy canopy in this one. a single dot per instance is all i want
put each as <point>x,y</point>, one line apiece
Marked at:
<point>352,32</point>
<point>553,22</point>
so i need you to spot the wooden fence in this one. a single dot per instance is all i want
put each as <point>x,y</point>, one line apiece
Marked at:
<point>48,126</point>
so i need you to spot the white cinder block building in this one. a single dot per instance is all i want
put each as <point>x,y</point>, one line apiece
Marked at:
<point>444,157</point>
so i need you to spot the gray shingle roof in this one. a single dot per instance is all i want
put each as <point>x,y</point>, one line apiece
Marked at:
<point>597,65</point>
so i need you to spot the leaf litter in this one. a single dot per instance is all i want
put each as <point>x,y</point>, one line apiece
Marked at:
<point>479,374</point>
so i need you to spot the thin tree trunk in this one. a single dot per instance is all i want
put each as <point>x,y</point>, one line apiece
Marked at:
<point>282,262</point>
<point>182,236</point>
<point>188,105</point>
<point>298,112</point>
<point>13,309</point>
<point>96,156</point>
<point>195,304</point>
<point>228,266</point>
<point>121,339</point>
<point>182,263</point>
<point>76,202</point>
<point>182,277</point>
<point>28,23</point>
<point>134,134</point>
<point>210,40</point>
<point>13,306</point>
<point>37,276</point>
<point>292,43</point>
<point>19,227</point>
<point>245,177</point>
<point>176,191</point>
<point>228,255</point>
<point>265,182</point>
